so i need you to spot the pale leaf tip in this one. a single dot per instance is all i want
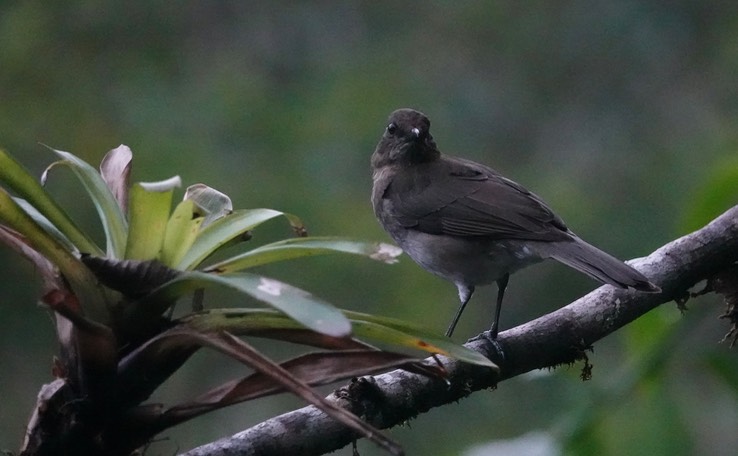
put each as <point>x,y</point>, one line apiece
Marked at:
<point>122,152</point>
<point>162,186</point>
<point>336,328</point>
<point>270,287</point>
<point>387,253</point>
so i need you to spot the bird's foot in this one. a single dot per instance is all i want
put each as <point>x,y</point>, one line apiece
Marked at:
<point>491,337</point>
<point>492,333</point>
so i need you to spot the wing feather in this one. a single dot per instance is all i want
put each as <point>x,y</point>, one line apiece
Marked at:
<point>462,198</point>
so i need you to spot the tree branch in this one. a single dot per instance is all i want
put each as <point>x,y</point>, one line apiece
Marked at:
<point>560,337</point>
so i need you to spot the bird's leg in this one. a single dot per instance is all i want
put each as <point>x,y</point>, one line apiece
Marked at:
<point>465,294</point>
<point>501,286</point>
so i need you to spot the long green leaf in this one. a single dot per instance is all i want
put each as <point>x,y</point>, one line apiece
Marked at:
<point>269,323</point>
<point>299,305</point>
<point>46,224</point>
<point>266,323</point>
<point>12,215</point>
<point>181,232</point>
<point>302,247</point>
<point>111,217</point>
<point>399,332</point>
<point>148,208</point>
<point>83,283</point>
<point>27,187</point>
<point>223,230</point>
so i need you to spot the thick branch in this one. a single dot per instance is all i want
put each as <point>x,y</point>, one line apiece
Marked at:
<point>559,337</point>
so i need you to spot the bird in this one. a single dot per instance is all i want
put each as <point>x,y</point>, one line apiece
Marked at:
<point>467,223</point>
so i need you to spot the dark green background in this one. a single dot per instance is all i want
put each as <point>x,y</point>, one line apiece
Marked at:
<point>622,115</point>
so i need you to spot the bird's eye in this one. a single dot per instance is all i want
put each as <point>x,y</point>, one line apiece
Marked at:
<point>391,128</point>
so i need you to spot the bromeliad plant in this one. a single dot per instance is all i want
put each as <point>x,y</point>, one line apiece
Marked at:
<point>112,307</point>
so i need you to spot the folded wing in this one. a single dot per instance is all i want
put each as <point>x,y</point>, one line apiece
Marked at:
<point>471,200</point>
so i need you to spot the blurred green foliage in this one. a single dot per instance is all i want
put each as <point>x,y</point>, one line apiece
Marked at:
<point>621,115</point>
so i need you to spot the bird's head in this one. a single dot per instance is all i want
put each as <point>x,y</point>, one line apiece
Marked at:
<point>406,140</point>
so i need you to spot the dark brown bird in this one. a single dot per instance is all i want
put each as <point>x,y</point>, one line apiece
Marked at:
<point>467,223</point>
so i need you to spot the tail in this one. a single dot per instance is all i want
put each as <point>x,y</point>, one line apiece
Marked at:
<point>599,265</point>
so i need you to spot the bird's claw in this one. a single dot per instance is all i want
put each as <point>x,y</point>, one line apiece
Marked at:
<point>491,337</point>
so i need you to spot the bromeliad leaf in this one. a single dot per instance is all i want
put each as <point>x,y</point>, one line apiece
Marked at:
<point>266,323</point>
<point>94,344</point>
<point>398,332</point>
<point>272,324</point>
<point>211,203</point>
<point>313,369</point>
<point>298,304</point>
<point>244,353</point>
<point>181,232</point>
<point>28,188</point>
<point>82,281</point>
<point>225,229</point>
<point>43,266</point>
<point>144,369</point>
<point>150,204</point>
<point>12,215</point>
<point>302,247</point>
<point>132,278</point>
<point>111,216</point>
<point>115,170</point>
<point>46,224</point>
